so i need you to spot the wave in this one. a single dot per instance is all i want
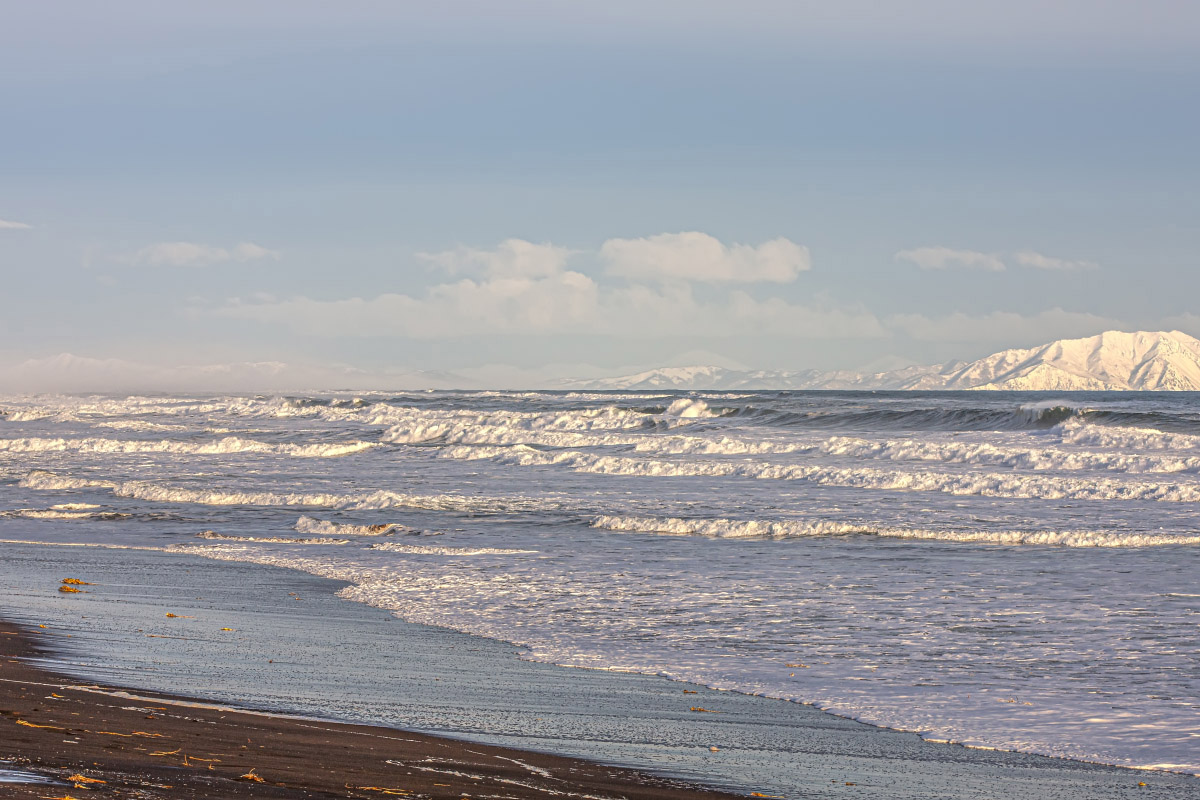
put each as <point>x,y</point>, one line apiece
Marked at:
<point>139,425</point>
<point>944,414</point>
<point>269,539</point>
<point>859,416</point>
<point>312,525</point>
<point>555,429</point>
<point>433,550</point>
<point>226,446</point>
<point>689,408</point>
<point>955,451</point>
<point>1083,433</point>
<point>365,501</point>
<point>60,514</point>
<point>787,529</point>
<point>28,415</point>
<point>987,484</point>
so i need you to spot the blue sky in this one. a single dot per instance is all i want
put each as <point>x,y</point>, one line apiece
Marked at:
<point>516,190</point>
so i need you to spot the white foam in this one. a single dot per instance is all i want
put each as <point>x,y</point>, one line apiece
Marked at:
<point>312,525</point>
<point>139,425</point>
<point>787,529</point>
<point>987,484</point>
<point>269,539</point>
<point>368,500</point>
<point>1077,431</point>
<point>57,514</point>
<point>689,408</point>
<point>608,425</point>
<point>226,446</point>
<point>432,550</point>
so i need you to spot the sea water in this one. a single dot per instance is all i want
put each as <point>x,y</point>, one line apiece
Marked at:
<point>1011,571</point>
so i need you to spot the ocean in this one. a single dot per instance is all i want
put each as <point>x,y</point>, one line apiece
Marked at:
<point>1004,570</point>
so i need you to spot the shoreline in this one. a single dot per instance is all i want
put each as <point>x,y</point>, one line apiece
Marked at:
<point>405,676</point>
<point>121,742</point>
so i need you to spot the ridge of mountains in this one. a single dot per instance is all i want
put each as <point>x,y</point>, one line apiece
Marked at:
<point>1111,361</point>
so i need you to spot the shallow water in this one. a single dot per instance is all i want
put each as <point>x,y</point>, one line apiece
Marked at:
<point>21,776</point>
<point>1002,570</point>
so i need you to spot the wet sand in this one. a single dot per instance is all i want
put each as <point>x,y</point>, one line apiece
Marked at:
<point>109,742</point>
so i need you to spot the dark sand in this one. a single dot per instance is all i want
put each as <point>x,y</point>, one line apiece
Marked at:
<point>105,742</point>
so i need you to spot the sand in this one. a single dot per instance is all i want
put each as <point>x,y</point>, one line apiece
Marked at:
<point>109,742</point>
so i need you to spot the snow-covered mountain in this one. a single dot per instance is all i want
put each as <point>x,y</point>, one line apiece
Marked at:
<point>1111,361</point>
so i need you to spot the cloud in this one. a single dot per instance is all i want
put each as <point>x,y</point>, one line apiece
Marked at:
<point>9,225</point>
<point>563,304</point>
<point>514,258</point>
<point>946,258</point>
<point>1028,258</point>
<point>695,256</point>
<point>190,254</point>
<point>1000,327</point>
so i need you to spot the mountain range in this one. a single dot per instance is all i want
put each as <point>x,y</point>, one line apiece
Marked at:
<point>1110,361</point>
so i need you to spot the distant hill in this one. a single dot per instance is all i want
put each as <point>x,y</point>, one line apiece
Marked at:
<point>1111,361</point>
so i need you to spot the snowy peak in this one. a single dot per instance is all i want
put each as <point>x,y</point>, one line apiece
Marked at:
<point>1111,361</point>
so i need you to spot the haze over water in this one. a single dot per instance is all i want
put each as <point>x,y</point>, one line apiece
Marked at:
<point>1003,570</point>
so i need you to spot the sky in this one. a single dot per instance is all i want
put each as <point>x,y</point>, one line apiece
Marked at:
<point>245,195</point>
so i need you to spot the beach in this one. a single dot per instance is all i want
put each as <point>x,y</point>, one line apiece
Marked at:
<point>113,742</point>
<point>298,650</point>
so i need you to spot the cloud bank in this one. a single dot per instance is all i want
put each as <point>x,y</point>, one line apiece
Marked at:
<point>10,225</point>
<point>512,258</point>
<point>694,256</point>
<point>522,288</point>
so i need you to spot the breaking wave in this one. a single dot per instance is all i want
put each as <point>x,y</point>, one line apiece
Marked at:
<point>987,484</point>
<point>861,416</point>
<point>269,539</point>
<point>63,515</point>
<point>433,550</point>
<point>226,446</point>
<point>787,529</point>
<point>320,526</point>
<point>370,500</point>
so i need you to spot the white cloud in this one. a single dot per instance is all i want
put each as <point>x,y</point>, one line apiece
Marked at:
<point>946,258</point>
<point>1005,328</point>
<point>191,254</point>
<point>1028,258</point>
<point>515,258</point>
<point>565,303</point>
<point>697,256</point>
<point>9,225</point>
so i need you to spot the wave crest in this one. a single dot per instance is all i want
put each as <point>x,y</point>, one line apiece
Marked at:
<point>786,529</point>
